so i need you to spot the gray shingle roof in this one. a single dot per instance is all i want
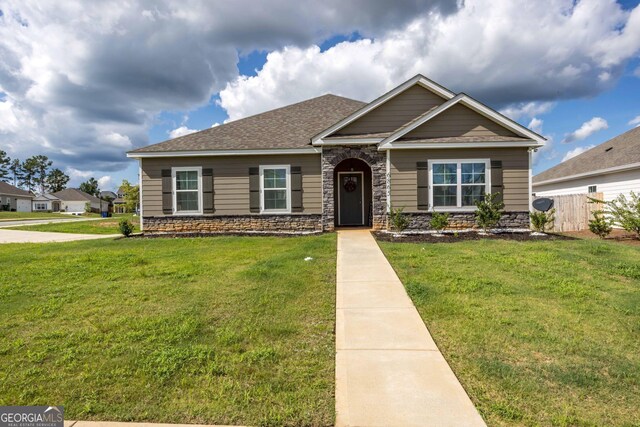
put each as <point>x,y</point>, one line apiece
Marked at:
<point>75,195</point>
<point>6,188</point>
<point>287,127</point>
<point>620,151</point>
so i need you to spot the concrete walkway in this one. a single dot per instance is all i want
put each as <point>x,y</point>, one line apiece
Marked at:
<point>19,236</point>
<point>389,372</point>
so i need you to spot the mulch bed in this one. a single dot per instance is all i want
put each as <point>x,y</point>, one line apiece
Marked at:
<point>214,234</point>
<point>461,237</point>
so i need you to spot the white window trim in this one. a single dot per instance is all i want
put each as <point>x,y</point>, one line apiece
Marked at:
<point>174,191</point>
<point>287,168</point>
<point>459,162</point>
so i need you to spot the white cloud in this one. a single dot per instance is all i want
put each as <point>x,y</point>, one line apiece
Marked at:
<point>105,182</point>
<point>527,109</point>
<point>216,124</point>
<point>181,131</point>
<point>635,121</point>
<point>587,129</point>
<point>536,125</point>
<point>562,50</point>
<point>575,152</point>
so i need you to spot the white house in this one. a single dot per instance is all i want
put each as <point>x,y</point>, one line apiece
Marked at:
<point>611,168</point>
<point>69,200</point>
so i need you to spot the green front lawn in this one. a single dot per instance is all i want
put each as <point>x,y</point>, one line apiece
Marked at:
<point>13,216</point>
<point>103,226</point>
<point>221,330</point>
<point>539,333</point>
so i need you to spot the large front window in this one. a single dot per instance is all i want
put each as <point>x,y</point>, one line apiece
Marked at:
<point>187,190</point>
<point>458,184</point>
<point>275,182</point>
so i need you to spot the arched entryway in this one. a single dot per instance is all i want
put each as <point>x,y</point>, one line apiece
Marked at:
<point>353,195</point>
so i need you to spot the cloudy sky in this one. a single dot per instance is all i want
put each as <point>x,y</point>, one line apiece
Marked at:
<point>83,82</point>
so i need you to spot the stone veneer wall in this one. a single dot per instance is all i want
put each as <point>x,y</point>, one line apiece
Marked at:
<point>233,223</point>
<point>465,220</point>
<point>377,161</point>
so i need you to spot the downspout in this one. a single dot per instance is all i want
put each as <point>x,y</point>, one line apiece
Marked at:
<point>140,191</point>
<point>531,150</point>
<point>388,181</point>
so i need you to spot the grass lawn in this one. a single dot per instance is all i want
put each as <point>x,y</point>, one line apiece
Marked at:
<point>12,216</point>
<point>103,226</point>
<point>539,333</point>
<point>221,330</point>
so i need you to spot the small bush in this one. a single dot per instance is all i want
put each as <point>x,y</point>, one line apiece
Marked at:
<point>399,220</point>
<point>600,225</point>
<point>439,221</point>
<point>626,213</point>
<point>126,227</point>
<point>489,211</point>
<point>540,221</point>
<point>87,207</point>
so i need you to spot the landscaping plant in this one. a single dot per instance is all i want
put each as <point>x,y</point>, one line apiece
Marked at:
<point>625,213</point>
<point>439,221</point>
<point>600,225</point>
<point>540,221</point>
<point>489,211</point>
<point>126,227</point>
<point>399,220</point>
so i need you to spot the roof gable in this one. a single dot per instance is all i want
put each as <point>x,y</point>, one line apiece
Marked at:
<point>423,82</point>
<point>75,195</point>
<point>618,153</point>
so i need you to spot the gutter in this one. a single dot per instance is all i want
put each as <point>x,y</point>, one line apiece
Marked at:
<point>591,173</point>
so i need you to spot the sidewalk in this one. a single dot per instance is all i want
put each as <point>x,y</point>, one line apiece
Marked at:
<point>389,372</point>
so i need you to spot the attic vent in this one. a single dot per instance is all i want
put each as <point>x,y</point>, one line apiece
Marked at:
<point>608,149</point>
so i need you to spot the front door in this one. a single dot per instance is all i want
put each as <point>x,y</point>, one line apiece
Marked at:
<point>350,198</point>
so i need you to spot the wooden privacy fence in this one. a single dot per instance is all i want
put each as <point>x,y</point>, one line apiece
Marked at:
<point>573,211</point>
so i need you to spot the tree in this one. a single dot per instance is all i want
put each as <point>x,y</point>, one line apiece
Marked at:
<point>16,171</point>
<point>5,163</point>
<point>56,180</point>
<point>489,211</point>
<point>42,165</point>
<point>625,212</point>
<point>131,196</point>
<point>29,171</point>
<point>90,187</point>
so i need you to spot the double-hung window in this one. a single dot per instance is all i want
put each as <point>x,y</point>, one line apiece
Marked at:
<point>275,189</point>
<point>187,190</point>
<point>458,184</point>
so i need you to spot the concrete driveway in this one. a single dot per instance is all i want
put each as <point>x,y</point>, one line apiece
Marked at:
<point>20,222</point>
<point>18,236</point>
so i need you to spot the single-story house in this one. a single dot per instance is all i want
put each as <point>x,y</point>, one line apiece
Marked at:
<point>46,202</point>
<point>13,198</point>
<point>331,161</point>
<point>611,168</point>
<point>69,200</point>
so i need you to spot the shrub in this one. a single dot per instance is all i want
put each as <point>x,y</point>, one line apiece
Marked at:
<point>399,220</point>
<point>439,221</point>
<point>489,211</point>
<point>540,221</point>
<point>626,213</point>
<point>87,207</point>
<point>126,227</point>
<point>600,225</point>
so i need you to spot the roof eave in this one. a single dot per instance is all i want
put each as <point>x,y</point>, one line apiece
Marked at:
<point>605,171</point>
<point>215,153</point>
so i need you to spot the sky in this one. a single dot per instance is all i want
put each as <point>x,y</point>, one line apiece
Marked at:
<point>83,82</point>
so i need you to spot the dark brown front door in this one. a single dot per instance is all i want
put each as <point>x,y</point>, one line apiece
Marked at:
<point>350,199</point>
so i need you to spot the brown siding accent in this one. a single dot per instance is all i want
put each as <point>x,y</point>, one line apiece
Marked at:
<point>231,183</point>
<point>458,121</point>
<point>515,174</point>
<point>207,190</point>
<point>394,113</point>
<point>296,189</point>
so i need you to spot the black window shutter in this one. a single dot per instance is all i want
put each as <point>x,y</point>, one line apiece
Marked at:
<point>207,191</point>
<point>254,189</point>
<point>496,178</point>
<point>167,195</point>
<point>422,169</point>
<point>296,189</point>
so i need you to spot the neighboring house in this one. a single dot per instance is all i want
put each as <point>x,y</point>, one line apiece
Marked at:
<point>119,204</point>
<point>612,168</point>
<point>332,161</point>
<point>46,202</point>
<point>70,200</point>
<point>108,195</point>
<point>14,199</point>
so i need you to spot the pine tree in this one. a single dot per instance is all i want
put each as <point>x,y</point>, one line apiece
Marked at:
<point>5,162</point>
<point>16,171</point>
<point>56,180</point>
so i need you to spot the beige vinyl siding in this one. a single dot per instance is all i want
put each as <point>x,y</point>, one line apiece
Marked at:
<point>394,113</point>
<point>231,180</point>
<point>515,173</point>
<point>458,121</point>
